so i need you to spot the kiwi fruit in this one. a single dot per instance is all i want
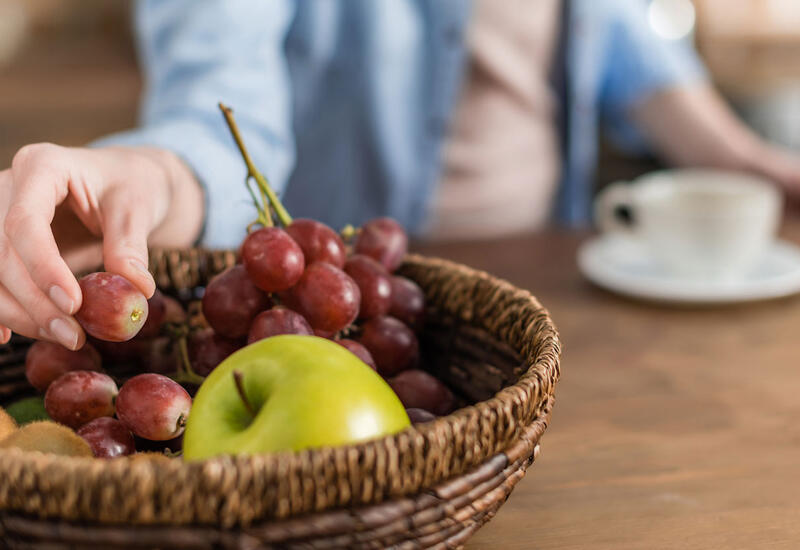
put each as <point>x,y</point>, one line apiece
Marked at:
<point>28,410</point>
<point>7,424</point>
<point>47,437</point>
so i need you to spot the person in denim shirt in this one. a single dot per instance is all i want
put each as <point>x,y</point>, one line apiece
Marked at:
<point>345,106</point>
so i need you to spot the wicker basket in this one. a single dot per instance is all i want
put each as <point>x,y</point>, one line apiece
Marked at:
<point>430,486</point>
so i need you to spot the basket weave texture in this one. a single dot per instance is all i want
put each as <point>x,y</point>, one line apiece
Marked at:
<point>430,486</point>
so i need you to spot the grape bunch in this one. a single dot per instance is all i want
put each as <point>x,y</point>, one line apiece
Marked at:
<point>305,279</point>
<point>79,394</point>
<point>293,276</point>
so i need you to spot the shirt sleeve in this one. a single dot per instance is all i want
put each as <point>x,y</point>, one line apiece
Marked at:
<point>194,54</point>
<point>639,63</point>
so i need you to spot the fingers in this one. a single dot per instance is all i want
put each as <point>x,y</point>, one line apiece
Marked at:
<point>38,293</point>
<point>12,314</point>
<point>23,303</point>
<point>125,233</point>
<point>37,186</point>
<point>5,335</point>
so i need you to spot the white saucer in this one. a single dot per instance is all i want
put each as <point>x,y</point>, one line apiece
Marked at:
<point>621,265</point>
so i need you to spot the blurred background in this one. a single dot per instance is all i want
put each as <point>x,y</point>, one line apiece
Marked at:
<point>68,69</point>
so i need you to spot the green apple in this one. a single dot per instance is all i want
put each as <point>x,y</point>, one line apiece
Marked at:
<point>290,392</point>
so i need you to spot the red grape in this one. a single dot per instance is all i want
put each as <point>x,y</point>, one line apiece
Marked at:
<point>326,296</point>
<point>275,321</point>
<point>392,344</point>
<point>47,361</point>
<point>327,334</point>
<point>419,390</point>
<point>129,351</point>
<point>153,406</point>
<point>108,438</point>
<point>374,283</point>
<point>156,313</point>
<point>173,311</point>
<point>272,259</point>
<point>418,416</point>
<point>76,397</point>
<point>408,302</point>
<point>113,309</point>
<point>208,349</point>
<point>319,242</point>
<point>385,240</point>
<point>231,301</point>
<point>359,351</point>
<point>160,355</point>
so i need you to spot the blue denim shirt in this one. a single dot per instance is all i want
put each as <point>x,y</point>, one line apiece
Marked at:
<point>344,104</point>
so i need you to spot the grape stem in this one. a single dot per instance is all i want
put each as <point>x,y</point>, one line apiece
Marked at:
<point>268,195</point>
<point>238,379</point>
<point>185,372</point>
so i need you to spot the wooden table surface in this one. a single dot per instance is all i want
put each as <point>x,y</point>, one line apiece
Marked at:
<point>673,428</point>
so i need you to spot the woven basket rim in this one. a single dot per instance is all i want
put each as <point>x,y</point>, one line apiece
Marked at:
<point>518,404</point>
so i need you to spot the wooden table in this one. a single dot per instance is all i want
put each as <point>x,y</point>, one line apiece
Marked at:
<point>673,428</point>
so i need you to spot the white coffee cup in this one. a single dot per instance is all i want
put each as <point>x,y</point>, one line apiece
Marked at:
<point>705,224</point>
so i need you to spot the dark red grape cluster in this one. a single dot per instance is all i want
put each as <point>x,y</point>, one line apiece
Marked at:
<point>304,279</point>
<point>79,394</point>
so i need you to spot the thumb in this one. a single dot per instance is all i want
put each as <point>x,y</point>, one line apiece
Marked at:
<point>126,227</point>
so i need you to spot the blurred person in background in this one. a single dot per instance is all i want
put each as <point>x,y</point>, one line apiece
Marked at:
<point>460,119</point>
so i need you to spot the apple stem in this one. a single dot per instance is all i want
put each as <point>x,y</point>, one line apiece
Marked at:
<point>268,195</point>
<point>238,379</point>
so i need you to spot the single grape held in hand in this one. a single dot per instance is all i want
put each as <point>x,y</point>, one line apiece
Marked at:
<point>113,309</point>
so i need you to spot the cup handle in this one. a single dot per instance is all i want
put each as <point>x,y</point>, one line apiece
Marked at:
<point>609,206</point>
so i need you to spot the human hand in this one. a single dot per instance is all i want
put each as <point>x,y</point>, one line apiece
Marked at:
<point>122,195</point>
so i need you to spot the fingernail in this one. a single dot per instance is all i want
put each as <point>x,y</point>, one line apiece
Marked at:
<point>62,331</point>
<point>62,300</point>
<point>139,266</point>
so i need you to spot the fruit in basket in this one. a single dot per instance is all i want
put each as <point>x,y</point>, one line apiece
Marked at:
<point>160,355</point>
<point>408,302</point>
<point>373,282</point>
<point>27,410</point>
<point>273,260</point>
<point>47,437</point>
<point>326,296</point>
<point>384,240</point>
<point>7,424</point>
<point>77,397</point>
<point>359,351</point>
<point>173,311</point>
<point>153,406</point>
<point>108,437</point>
<point>319,242</point>
<point>207,349</point>
<point>419,390</point>
<point>46,361</point>
<point>113,309</point>
<point>156,315</point>
<point>290,392</point>
<point>231,301</point>
<point>275,321</point>
<point>392,344</point>
<point>419,416</point>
